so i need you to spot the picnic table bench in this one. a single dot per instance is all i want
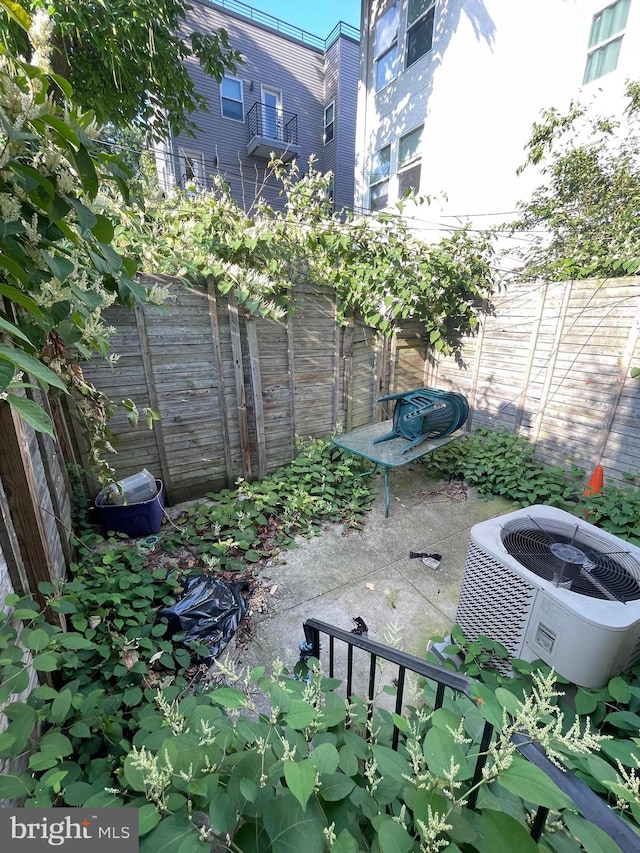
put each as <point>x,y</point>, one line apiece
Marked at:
<point>389,454</point>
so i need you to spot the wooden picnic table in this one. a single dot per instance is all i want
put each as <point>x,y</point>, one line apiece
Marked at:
<point>388,454</point>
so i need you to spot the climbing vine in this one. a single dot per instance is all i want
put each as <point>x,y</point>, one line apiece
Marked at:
<point>377,267</point>
<point>58,267</point>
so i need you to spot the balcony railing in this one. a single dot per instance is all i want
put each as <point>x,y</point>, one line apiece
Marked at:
<point>286,29</point>
<point>271,129</point>
<point>590,806</point>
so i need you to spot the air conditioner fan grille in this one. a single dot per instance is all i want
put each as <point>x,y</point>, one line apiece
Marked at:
<point>571,556</point>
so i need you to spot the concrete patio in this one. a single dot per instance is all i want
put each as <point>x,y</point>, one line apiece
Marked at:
<point>337,576</point>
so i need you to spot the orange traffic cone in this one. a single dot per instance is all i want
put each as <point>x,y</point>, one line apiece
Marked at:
<point>595,483</point>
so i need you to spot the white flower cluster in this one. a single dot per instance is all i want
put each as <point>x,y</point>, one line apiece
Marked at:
<point>157,777</point>
<point>171,714</point>
<point>40,34</point>
<point>540,718</point>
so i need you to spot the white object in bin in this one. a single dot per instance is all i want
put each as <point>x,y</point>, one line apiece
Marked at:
<point>135,489</point>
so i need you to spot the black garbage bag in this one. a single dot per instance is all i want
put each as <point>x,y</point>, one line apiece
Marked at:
<point>209,611</point>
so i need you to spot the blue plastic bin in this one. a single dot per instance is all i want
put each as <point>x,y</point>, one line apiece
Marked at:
<point>140,519</point>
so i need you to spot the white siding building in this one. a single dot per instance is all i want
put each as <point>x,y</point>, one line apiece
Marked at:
<point>449,90</point>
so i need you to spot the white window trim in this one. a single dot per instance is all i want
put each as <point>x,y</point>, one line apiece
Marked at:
<point>380,53</point>
<point>278,112</point>
<point>332,122</point>
<point>417,156</point>
<point>598,46</point>
<point>384,179</point>
<point>192,154</point>
<point>410,26</point>
<point>241,101</point>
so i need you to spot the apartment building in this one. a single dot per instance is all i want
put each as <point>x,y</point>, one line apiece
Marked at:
<point>294,96</point>
<point>450,89</point>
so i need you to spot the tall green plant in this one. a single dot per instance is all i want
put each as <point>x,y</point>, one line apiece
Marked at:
<point>58,265</point>
<point>377,267</point>
<point>498,462</point>
<point>581,221</point>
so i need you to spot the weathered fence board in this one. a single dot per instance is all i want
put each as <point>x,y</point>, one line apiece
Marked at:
<point>550,361</point>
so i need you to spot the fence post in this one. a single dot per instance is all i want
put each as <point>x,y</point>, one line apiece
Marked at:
<point>19,481</point>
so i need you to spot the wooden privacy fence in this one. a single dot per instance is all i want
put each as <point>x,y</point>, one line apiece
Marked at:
<point>552,362</point>
<point>233,391</point>
<point>35,520</point>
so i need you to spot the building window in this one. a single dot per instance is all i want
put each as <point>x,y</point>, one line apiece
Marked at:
<point>409,162</point>
<point>607,29</point>
<point>329,123</point>
<point>386,61</point>
<point>420,17</point>
<point>192,167</point>
<point>379,178</point>
<point>231,101</point>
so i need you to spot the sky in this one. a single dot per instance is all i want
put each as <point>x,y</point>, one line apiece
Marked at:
<point>317,17</point>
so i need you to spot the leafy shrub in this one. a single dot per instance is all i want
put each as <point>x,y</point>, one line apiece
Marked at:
<point>311,771</point>
<point>501,463</point>
<point>239,526</point>
<point>616,509</point>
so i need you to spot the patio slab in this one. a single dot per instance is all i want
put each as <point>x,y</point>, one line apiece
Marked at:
<point>368,573</point>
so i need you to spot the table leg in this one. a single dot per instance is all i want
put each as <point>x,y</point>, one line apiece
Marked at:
<point>386,493</point>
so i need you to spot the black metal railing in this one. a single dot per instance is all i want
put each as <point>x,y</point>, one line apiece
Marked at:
<point>286,29</point>
<point>590,806</point>
<point>269,122</point>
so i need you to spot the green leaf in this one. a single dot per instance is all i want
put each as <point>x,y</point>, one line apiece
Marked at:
<point>591,837</point>
<point>46,662</point>
<point>16,11</point>
<point>392,837</point>
<point>441,750</point>
<point>61,706</point>
<point>300,714</point>
<point>13,330</point>
<point>148,818</point>
<point>36,640</point>
<point>80,730</point>
<point>292,829</point>
<point>61,267</point>
<point>533,785</point>
<point>133,775</point>
<point>498,831</point>
<point>619,689</point>
<point>222,813</point>
<point>508,700</point>
<point>301,778</point>
<point>325,758</point>
<point>87,171</point>
<point>14,269</point>
<point>14,786</point>
<point>72,640</point>
<point>625,751</point>
<point>6,374</point>
<point>132,696</point>
<point>228,697</point>
<point>391,764</point>
<point>103,229</point>
<point>586,703</point>
<point>86,217</point>
<point>624,720</point>
<point>31,365</point>
<point>335,786</point>
<point>169,834</point>
<point>19,297</point>
<point>31,413</point>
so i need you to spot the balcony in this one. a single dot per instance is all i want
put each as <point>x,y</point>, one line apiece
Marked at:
<point>271,129</point>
